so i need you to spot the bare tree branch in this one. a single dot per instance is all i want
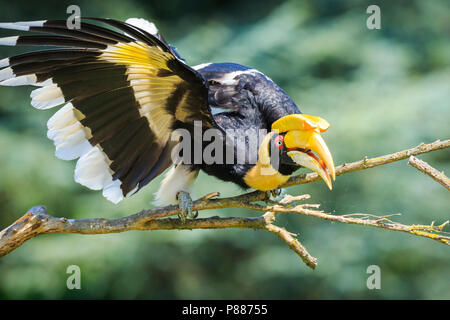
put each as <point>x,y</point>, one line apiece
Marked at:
<point>37,221</point>
<point>437,176</point>
<point>373,162</point>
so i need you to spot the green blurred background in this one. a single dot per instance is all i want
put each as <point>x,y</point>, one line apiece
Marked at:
<point>382,91</point>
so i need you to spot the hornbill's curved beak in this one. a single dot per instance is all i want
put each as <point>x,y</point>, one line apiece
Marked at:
<point>302,139</point>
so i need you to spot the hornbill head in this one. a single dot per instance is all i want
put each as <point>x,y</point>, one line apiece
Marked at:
<point>302,138</point>
<point>295,141</point>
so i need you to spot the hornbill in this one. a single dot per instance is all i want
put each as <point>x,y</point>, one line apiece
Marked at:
<point>126,91</point>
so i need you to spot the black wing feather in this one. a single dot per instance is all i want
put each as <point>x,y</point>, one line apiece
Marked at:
<point>124,94</point>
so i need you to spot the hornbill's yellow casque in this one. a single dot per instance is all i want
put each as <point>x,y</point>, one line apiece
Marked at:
<point>127,90</point>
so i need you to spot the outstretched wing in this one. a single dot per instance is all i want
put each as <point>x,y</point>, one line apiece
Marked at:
<point>123,92</point>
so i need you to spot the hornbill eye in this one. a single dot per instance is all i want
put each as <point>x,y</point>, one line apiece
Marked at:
<point>279,141</point>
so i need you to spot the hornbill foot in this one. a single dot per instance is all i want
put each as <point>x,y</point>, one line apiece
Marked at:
<point>276,195</point>
<point>185,205</point>
<point>276,192</point>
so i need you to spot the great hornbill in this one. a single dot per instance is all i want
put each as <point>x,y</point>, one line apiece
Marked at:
<point>126,91</point>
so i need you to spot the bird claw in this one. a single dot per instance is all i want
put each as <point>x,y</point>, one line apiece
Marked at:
<point>276,194</point>
<point>185,205</point>
<point>194,215</point>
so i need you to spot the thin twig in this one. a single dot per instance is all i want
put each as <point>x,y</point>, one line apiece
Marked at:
<point>373,162</point>
<point>424,167</point>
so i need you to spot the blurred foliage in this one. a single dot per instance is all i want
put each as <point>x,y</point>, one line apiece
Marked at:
<point>382,91</point>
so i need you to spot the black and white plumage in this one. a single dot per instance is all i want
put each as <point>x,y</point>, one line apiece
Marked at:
<point>124,90</point>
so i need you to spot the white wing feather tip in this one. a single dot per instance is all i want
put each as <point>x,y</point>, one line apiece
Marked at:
<point>143,24</point>
<point>14,26</point>
<point>92,170</point>
<point>6,74</point>
<point>112,192</point>
<point>4,62</point>
<point>37,23</point>
<point>9,41</point>
<point>20,81</point>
